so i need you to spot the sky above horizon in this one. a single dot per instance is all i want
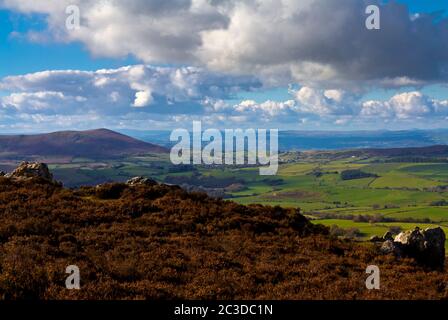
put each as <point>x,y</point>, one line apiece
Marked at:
<point>286,64</point>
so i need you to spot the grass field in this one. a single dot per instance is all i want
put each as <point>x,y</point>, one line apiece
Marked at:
<point>401,192</point>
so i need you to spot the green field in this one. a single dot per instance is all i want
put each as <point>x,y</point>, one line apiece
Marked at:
<point>399,193</point>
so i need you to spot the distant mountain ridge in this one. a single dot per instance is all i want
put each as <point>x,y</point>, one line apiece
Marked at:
<point>96,144</point>
<point>430,151</point>
<point>108,144</point>
<point>437,153</point>
<point>329,140</point>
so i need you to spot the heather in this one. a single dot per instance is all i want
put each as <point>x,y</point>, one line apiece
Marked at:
<point>161,242</point>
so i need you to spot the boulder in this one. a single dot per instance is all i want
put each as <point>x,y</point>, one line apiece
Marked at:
<point>138,181</point>
<point>434,247</point>
<point>391,247</point>
<point>27,170</point>
<point>411,238</point>
<point>388,236</point>
<point>426,247</point>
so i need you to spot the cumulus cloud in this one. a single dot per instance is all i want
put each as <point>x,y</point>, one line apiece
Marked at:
<point>340,108</point>
<point>45,102</point>
<point>143,99</point>
<point>270,108</point>
<point>158,97</point>
<point>321,46</point>
<point>324,102</point>
<point>115,91</point>
<point>128,96</point>
<point>408,105</point>
<point>306,41</point>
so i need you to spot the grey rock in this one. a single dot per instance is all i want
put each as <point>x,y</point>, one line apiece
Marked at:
<point>136,181</point>
<point>426,247</point>
<point>28,170</point>
<point>412,239</point>
<point>391,247</point>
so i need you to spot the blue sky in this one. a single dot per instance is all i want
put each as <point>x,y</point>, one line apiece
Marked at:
<point>211,63</point>
<point>425,6</point>
<point>27,56</point>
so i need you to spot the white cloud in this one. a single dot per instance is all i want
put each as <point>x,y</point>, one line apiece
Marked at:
<point>289,40</point>
<point>152,97</point>
<point>115,91</point>
<point>143,99</point>
<point>324,102</point>
<point>40,102</point>
<point>335,95</point>
<point>268,108</point>
<point>408,105</point>
<point>340,108</point>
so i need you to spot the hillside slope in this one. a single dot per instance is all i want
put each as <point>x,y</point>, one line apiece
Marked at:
<point>160,242</point>
<point>100,143</point>
<point>435,152</point>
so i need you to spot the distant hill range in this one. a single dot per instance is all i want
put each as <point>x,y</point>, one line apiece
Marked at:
<point>64,146</point>
<point>431,151</point>
<point>437,153</point>
<point>330,140</point>
<point>92,144</point>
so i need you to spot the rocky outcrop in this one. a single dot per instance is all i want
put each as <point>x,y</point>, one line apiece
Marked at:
<point>427,247</point>
<point>136,181</point>
<point>388,236</point>
<point>31,170</point>
<point>391,247</point>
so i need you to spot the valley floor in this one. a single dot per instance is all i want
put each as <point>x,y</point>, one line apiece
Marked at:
<point>398,194</point>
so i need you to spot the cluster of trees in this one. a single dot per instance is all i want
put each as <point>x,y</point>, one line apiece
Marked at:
<point>356,174</point>
<point>439,203</point>
<point>347,233</point>
<point>204,181</point>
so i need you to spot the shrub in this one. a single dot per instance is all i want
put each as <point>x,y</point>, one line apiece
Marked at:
<point>109,190</point>
<point>160,242</point>
<point>395,230</point>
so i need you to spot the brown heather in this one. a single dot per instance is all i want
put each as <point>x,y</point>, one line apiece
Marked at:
<point>163,243</point>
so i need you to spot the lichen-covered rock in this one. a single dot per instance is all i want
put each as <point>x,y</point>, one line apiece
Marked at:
<point>391,247</point>
<point>426,247</point>
<point>31,170</point>
<point>411,238</point>
<point>141,181</point>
